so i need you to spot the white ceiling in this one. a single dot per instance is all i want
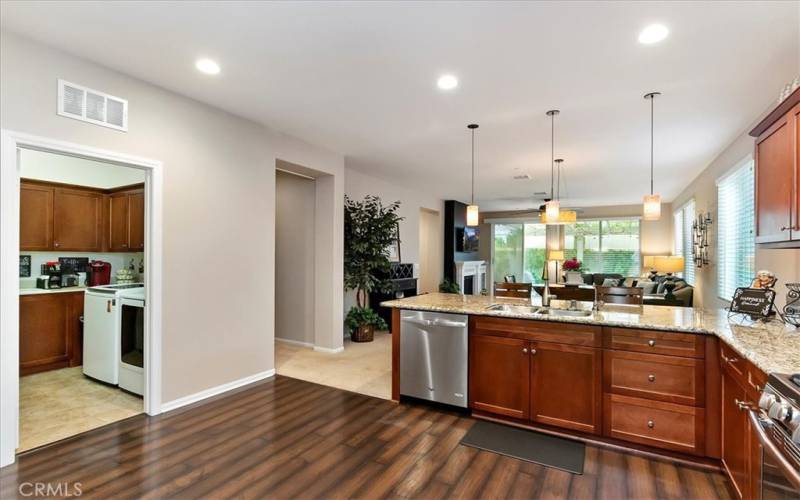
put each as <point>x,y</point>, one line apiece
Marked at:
<point>53,167</point>
<point>359,78</point>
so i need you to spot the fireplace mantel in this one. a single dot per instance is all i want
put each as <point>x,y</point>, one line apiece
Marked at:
<point>474,268</point>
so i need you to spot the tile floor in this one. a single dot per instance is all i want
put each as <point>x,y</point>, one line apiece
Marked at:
<point>364,367</point>
<point>61,403</point>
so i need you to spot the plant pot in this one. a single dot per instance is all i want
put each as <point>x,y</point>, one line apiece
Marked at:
<point>364,333</point>
<point>573,278</point>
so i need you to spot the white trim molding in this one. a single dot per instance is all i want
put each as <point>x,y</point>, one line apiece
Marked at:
<point>215,391</point>
<point>294,342</point>
<point>328,349</point>
<point>10,143</point>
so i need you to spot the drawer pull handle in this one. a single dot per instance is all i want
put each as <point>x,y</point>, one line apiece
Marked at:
<point>533,351</point>
<point>525,350</point>
<point>651,378</point>
<point>651,343</point>
<point>651,424</point>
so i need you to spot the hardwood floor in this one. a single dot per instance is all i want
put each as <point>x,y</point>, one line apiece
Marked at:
<point>285,438</point>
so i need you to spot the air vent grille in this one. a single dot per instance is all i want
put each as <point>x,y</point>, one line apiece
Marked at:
<point>85,104</point>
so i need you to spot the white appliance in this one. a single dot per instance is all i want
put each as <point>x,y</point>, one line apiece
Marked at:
<point>131,337</point>
<point>101,340</point>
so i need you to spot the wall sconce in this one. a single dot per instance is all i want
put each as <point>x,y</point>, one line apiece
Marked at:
<point>700,228</point>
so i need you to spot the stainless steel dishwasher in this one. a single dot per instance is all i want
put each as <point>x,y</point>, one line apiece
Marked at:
<point>433,356</point>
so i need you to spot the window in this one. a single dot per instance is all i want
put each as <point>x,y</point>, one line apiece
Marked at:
<point>683,220</point>
<point>607,246</point>
<point>735,230</point>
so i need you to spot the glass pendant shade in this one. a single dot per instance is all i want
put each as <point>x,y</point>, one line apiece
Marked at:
<point>472,215</point>
<point>652,207</point>
<point>564,217</point>
<point>551,210</point>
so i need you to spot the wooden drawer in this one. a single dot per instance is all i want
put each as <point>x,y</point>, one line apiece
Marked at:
<point>535,330</point>
<point>654,423</point>
<point>653,376</point>
<point>743,371</point>
<point>654,342</point>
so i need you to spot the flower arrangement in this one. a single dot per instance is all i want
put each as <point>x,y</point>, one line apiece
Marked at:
<point>572,264</point>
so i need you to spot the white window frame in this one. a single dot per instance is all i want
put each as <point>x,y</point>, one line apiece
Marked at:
<point>737,166</point>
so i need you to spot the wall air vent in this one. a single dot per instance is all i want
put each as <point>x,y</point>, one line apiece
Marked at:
<point>85,104</point>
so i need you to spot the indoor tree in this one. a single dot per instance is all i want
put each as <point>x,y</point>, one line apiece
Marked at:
<point>369,229</point>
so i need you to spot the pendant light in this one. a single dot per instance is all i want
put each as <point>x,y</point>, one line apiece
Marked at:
<point>472,208</point>
<point>564,216</point>
<point>652,202</point>
<point>552,207</point>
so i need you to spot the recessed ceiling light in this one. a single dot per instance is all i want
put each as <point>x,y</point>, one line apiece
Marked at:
<point>207,66</point>
<point>653,34</point>
<point>447,82</point>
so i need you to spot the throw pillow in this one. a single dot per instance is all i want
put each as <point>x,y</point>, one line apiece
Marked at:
<point>648,287</point>
<point>610,282</point>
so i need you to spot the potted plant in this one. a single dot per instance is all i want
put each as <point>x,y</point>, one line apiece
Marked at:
<point>447,286</point>
<point>572,271</point>
<point>370,228</point>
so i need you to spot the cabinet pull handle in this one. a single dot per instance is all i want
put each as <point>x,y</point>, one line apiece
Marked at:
<point>108,306</point>
<point>785,228</point>
<point>651,343</point>
<point>651,424</point>
<point>533,351</point>
<point>742,405</point>
<point>651,378</point>
<point>525,350</point>
<point>56,244</point>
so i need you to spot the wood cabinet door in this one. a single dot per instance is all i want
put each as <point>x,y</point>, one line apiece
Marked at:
<point>44,332</point>
<point>136,220</point>
<point>775,177</point>
<point>77,220</point>
<point>735,443</point>
<point>566,386</point>
<point>35,217</point>
<point>118,221</point>
<point>499,375</point>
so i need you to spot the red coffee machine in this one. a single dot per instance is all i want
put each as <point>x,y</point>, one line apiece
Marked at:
<point>99,273</point>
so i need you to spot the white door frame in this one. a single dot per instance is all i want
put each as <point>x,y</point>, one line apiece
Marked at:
<point>10,142</point>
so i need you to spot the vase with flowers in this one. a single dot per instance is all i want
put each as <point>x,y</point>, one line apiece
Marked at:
<point>572,271</point>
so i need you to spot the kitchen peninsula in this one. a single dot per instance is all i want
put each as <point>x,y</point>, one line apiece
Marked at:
<point>668,380</point>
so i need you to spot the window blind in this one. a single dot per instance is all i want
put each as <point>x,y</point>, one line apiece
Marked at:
<point>736,230</point>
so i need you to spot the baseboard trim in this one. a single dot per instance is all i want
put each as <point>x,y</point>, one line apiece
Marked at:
<point>215,391</point>
<point>328,349</point>
<point>294,342</point>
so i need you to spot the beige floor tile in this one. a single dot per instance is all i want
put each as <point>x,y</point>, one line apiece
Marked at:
<point>61,403</point>
<point>364,367</point>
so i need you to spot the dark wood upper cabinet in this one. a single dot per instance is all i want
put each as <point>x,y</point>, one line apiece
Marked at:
<point>80,219</point>
<point>499,375</point>
<point>36,217</point>
<point>77,220</point>
<point>118,213</point>
<point>126,221</point>
<point>777,159</point>
<point>566,386</point>
<point>136,218</point>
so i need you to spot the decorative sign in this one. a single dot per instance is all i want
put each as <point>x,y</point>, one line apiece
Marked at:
<point>756,302</point>
<point>24,266</point>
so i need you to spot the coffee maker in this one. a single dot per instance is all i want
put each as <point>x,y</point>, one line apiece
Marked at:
<point>51,276</point>
<point>99,273</point>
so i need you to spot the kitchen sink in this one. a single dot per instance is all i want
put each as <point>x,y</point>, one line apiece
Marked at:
<point>511,308</point>
<point>566,312</point>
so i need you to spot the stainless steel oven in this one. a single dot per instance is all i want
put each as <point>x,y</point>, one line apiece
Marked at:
<point>776,423</point>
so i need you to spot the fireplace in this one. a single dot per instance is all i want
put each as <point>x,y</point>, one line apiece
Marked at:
<point>471,276</point>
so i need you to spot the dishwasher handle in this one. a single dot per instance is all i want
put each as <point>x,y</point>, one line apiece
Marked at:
<point>435,322</point>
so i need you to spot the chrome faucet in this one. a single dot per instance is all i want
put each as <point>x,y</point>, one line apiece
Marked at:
<point>596,305</point>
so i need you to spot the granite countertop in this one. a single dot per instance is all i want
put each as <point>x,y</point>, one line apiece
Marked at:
<point>40,291</point>
<point>772,347</point>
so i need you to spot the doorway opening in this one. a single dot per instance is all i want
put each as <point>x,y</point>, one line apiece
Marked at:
<point>303,349</point>
<point>430,250</point>
<point>81,290</point>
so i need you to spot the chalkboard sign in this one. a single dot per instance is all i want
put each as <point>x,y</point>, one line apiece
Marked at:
<point>757,302</point>
<point>75,264</point>
<point>24,266</point>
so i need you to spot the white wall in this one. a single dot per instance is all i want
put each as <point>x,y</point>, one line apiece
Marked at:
<point>359,184</point>
<point>294,258</point>
<point>703,189</point>
<point>51,167</point>
<point>219,209</point>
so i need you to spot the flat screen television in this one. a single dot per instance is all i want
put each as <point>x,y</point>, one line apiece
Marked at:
<point>467,239</point>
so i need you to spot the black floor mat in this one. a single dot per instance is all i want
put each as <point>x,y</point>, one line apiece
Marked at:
<point>531,446</point>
